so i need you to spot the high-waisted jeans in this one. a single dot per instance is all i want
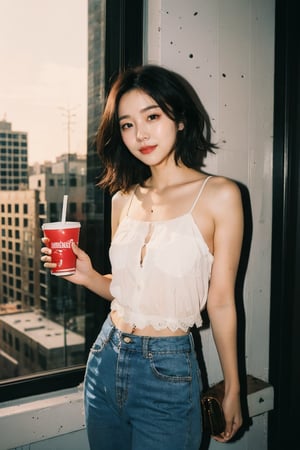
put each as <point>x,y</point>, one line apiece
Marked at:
<point>142,393</point>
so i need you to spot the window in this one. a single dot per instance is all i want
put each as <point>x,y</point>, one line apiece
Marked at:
<point>85,207</point>
<point>73,181</point>
<point>73,208</point>
<point>53,208</point>
<point>50,305</point>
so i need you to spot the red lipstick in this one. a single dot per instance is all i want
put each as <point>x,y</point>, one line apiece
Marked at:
<point>147,149</point>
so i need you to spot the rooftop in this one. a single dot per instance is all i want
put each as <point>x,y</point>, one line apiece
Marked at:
<point>45,332</point>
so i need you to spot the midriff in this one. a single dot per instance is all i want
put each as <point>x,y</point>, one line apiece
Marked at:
<point>126,327</point>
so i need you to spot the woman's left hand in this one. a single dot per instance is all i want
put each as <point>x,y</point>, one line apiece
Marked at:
<point>233,417</point>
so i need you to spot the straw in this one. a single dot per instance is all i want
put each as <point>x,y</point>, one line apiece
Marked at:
<point>64,209</point>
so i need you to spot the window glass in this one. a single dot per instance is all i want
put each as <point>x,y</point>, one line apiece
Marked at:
<point>44,155</point>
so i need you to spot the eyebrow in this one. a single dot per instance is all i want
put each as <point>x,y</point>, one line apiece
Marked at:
<point>147,108</point>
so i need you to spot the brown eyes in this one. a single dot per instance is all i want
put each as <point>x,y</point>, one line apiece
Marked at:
<point>150,118</point>
<point>125,126</point>
<point>153,117</point>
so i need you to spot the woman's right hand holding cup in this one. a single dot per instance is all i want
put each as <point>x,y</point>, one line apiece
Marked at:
<point>84,268</point>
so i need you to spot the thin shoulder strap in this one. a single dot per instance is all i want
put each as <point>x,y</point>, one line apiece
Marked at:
<point>131,199</point>
<point>200,192</point>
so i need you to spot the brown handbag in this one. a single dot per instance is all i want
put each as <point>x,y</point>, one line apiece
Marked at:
<point>212,411</point>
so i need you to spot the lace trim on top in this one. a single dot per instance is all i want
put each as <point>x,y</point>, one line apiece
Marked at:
<point>140,321</point>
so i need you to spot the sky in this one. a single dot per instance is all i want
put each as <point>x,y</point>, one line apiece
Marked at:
<point>43,75</point>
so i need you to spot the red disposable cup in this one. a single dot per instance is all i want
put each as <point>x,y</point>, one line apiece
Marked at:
<point>61,235</point>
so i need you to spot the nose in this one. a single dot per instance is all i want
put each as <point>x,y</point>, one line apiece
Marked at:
<point>141,133</point>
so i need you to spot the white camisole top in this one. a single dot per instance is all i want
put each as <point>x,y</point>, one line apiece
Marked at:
<point>160,271</point>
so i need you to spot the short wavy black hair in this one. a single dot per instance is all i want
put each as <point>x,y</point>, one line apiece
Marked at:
<point>180,103</point>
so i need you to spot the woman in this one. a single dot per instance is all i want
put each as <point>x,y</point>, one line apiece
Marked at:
<point>176,241</point>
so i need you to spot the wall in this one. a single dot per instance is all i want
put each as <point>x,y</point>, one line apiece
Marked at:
<point>226,50</point>
<point>53,421</point>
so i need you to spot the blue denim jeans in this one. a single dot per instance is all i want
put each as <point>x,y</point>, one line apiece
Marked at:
<point>142,393</point>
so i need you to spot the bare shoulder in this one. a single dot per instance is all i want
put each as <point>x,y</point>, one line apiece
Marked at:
<point>222,198</point>
<point>222,189</point>
<point>219,211</point>
<point>120,198</point>
<point>120,203</point>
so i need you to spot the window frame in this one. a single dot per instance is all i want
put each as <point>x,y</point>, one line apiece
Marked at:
<point>123,47</point>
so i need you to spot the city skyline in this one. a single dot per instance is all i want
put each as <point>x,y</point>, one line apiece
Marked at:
<point>28,84</point>
<point>43,82</point>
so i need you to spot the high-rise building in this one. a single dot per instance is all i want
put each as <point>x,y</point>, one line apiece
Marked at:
<point>96,310</point>
<point>22,279</point>
<point>42,318</point>
<point>66,175</point>
<point>13,158</point>
<point>96,82</point>
<point>19,248</point>
<point>30,343</point>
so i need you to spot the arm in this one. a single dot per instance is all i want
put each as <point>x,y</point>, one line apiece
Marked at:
<point>85,274</point>
<point>228,232</point>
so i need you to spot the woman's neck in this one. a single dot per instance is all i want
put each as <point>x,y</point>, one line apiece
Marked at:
<point>162,178</point>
